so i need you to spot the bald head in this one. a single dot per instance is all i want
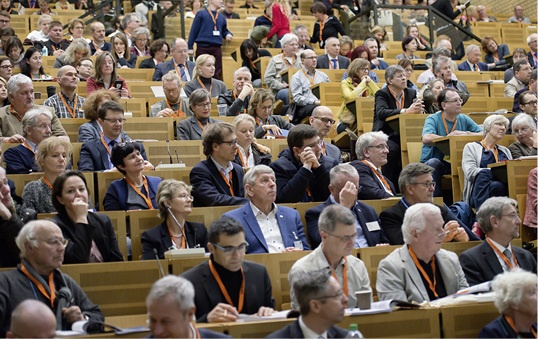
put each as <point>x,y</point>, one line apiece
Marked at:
<point>532,41</point>
<point>32,319</point>
<point>445,43</point>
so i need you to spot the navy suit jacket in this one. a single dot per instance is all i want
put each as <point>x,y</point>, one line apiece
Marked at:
<point>362,212</point>
<point>480,264</point>
<point>20,160</point>
<point>106,47</point>
<point>159,238</point>
<point>385,106</point>
<point>499,328</point>
<point>382,65</point>
<point>372,188</point>
<point>289,223</point>
<point>147,63</point>
<point>94,156</point>
<point>293,330</point>
<point>323,62</point>
<point>210,189</point>
<point>464,66</point>
<point>116,195</point>
<point>531,59</point>
<point>167,66</point>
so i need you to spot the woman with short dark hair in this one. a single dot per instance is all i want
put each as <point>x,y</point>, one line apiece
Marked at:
<point>158,51</point>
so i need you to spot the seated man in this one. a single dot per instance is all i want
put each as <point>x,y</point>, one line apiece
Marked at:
<point>229,10</point>
<point>449,121</point>
<point>170,305</point>
<point>473,63</point>
<point>518,16</point>
<point>10,223</point>
<point>238,98</point>
<point>441,70</point>
<point>371,150</point>
<point>300,86</point>
<point>499,220</point>
<point>302,171</point>
<point>344,187</point>
<point>269,228</point>
<point>55,45</point>
<point>420,270</point>
<point>171,105</point>
<point>265,18</point>
<point>84,69</point>
<point>532,55</point>
<point>417,186</point>
<point>376,63</point>
<point>314,291</point>
<point>533,87</point>
<point>338,233</point>
<point>218,181</point>
<point>193,127</point>
<point>95,154</point>
<point>427,76</point>
<point>98,44</point>
<point>42,247</point>
<point>178,63</point>
<point>36,128</point>
<point>302,33</point>
<point>20,91</point>
<point>483,15</point>
<point>32,319</point>
<point>67,104</point>
<point>322,120</point>
<point>227,285</point>
<point>522,76</point>
<point>332,58</point>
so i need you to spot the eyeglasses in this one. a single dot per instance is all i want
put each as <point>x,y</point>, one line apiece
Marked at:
<point>56,242</point>
<point>207,104</point>
<point>534,102</point>
<point>380,147</point>
<point>364,69</point>
<point>43,126</point>
<point>232,143</point>
<point>514,216</point>
<point>115,121</point>
<point>325,120</point>
<point>426,184</point>
<point>338,295</point>
<point>4,21</point>
<point>6,67</point>
<point>185,197</point>
<point>345,238</point>
<point>230,249</point>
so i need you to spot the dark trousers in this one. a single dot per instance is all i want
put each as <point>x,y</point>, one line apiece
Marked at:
<point>440,167</point>
<point>215,51</point>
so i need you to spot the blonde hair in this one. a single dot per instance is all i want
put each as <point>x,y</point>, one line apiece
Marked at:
<point>76,45</point>
<point>48,146</point>
<point>200,60</point>
<point>284,5</point>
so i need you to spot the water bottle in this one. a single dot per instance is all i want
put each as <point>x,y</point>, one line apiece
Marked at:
<point>354,332</point>
<point>44,51</point>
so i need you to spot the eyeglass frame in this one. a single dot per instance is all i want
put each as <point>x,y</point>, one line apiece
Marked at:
<point>230,250</point>
<point>325,120</point>
<point>429,184</point>
<point>113,121</point>
<point>53,242</point>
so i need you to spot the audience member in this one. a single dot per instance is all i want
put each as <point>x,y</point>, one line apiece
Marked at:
<point>532,55</point>
<point>422,44</point>
<point>249,53</point>
<point>5,34</point>
<point>346,46</point>
<point>529,109</point>
<point>123,58</point>
<point>42,34</point>
<point>522,75</point>
<point>409,47</point>
<point>158,50</point>
<point>75,27</point>
<point>55,45</point>
<point>527,102</point>
<point>495,53</point>
<point>280,24</point>
<point>530,219</point>
<point>237,99</point>
<point>261,109</point>
<point>371,44</point>
<point>14,50</point>
<point>171,105</point>
<point>67,104</point>
<point>179,62</point>
<point>428,75</point>
<point>98,44</point>
<point>32,65</point>
<point>441,70</point>
<point>483,14</point>
<point>518,16</point>
<point>518,54</point>
<point>322,120</point>
<point>228,11</point>
<point>249,152</point>
<point>473,62</point>
<point>107,77</point>
<point>6,68</point>
<point>524,128</point>
<point>140,40</point>
<point>10,225</point>
<point>44,8</point>
<point>32,319</point>
<point>129,23</point>
<point>193,127</point>
<point>77,50</point>
<point>332,58</point>
<point>302,33</point>
<point>265,19</point>
<point>202,77</point>
<point>326,26</point>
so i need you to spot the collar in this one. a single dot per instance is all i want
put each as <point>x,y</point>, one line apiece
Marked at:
<point>257,211</point>
<point>31,144</point>
<point>108,140</point>
<point>330,57</point>
<point>308,333</point>
<point>102,45</point>
<point>308,72</point>
<point>222,169</point>
<point>371,163</point>
<point>179,65</point>
<point>501,247</point>
<point>68,98</point>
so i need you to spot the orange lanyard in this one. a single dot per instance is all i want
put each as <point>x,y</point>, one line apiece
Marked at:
<point>520,21</point>
<point>54,48</point>
<point>47,182</point>
<point>174,238</point>
<point>535,58</point>
<point>446,127</point>
<point>63,6</point>
<point>510,322</point>
<point>10,10</point>
<point>323,150</point>
<point>223,288</point>
<point>41,288</point>
<point>407,56</point>
<point>199,123</point>
<point>424,274</point>
<point>106,145</point>
<point>399,103</point>
<point>67,106</point>
<point>242,161</point>
<point>501,254</point>
<point>268,18</point>
<point>177,70</point>
<point>228,182</point>
<point>313,78</point>
<point>321,26</point>
<point>331,66</point>
<point>286,61</point>
<point>259,121</point>
<point>28,146</point>
<point>380,177</point>
<point>235,98</point>
<point>146,198</point>
<point>495,151</point>
<point>214,18</point>
<point>35,2</point>
<point>128,35</point>
<point>345,276</point>
<point>496,58</point>
<point>94,45</point>
<point>203,86</point>
<point>253,66</point>
<point>179,112</point>
<point>13,112</point>
<point>197,333</point>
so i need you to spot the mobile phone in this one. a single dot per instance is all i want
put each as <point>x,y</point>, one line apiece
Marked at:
<point>118,84</point>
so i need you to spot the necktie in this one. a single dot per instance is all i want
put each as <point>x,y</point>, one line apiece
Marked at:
<point>334,63</point>
<point>474,68</point>
<point>508,255</point>
<point>182,71</point>
<point>111,144</point>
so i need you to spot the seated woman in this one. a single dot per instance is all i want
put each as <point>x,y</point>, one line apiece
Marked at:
<point>430,92</point>
<point>249,153</point>
<point>63,4</point>
<point>135,191</point>
<point>4,100</point>
<point>409,46</point>
<point>493,52</point>
<point>140,40</point>
<point>408,67</point>
<point>158,51</point>
<point>14,51</point>
<point>346,46</point>
<point>515,298</point>
<point>412,30</point>
<point>52,157</point>
<point>331,25</point>
<point>32,65</point>
<point>202,77</point>
<point>250,52</point>
<point>175,204</point>
<point>106,77</point>
<point>480,184</point>
<point>121,53</point>
<point>364,53</point>
<point>6,5</point>
<point>192,7</point>
<point>524,128</point>
<point>90,236</point>
<point>261,109</point>
<point>43,8</point>
<point>76,29</point>
<point>358,84</point>
<point>6,68</point>
<point>77,50</point>
<point>43,33</point>
<point>193,127</point>
<point>380,34</point>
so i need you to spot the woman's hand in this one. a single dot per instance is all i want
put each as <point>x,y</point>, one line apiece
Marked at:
<point>80,210</point>
<point>273,128</point>
<point>124,92</point>
<point>366,79</point>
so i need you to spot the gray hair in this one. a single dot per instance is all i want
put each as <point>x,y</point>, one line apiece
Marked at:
<point>510,286</point>
<point>436,64</point>
<point>415,218</point>
<point>471,48</point>
<point>392,70</point>
<point>410,172</point>
<point>366,140</point>
<point>342,170</point>
<point>523,120</point>
<point>181,288</point>
<point>30,118</point>
<point>288,37</point>
<point>128,18</point>
<point>298,27</point>
<point>443,41</point>
<point>252,174</point>
<point>492,120</point>
<point>75,45</point>
<point>166,192</point>
<point>335,214</point>
<point>139,31</point>
<point>310,285</point>
<point>529,38</point>
<point>14,83</point>
<point>368,40</point>
<point>494,206</point>
<point>244,69</point>
<point>174,43</point>
<point>42,17</point>
<point>439,52</point>
<point>27,234</point>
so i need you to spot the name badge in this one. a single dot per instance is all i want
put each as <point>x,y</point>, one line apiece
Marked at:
<point>216,33</point>
<point>298,244</point>
<point>373,226</point>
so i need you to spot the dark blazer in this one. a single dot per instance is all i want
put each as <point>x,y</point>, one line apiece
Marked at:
<point>189,129</point>
<point>116,195</point>
<point>106,47</point>
<point>207,292</point>
<point>91,130</point>
<point>259,157</point>
<point>99,229</point>
<point>94,156</point>
<point>531,59</point>
<point>204,332</point>
<point>502,51</point>
<point>464,66</point>
<point>323,62</point>
<point>499,328</point>
<point>333,151</point>
<point>147,63</point>
<point>289,223</point>
<point>167,66</point>
<point>20,160</point>
<point>385,106</point>
<point>372,188</point>
<point>362,212</point>
<point>210,189</point>
<point>293,330</point>
<point>159,238</point>
<point>259,132</point>
<point>480,263</point>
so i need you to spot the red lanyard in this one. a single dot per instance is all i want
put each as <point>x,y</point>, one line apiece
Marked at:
<point>510,322</point>
<point>13,112</point>
<point>214,18</point>
<point>47,182</point>
<point>286,61</point>
<point>321,26</point>
<point>345,276</point>
<point>446,127</point>
<point>28,146</point>
<point>495,151</point>
<point>399,103</point>
<point>199,123</point>
<point>106,145</point>
<point>146,198</point>
<point>210,87</point>
<point>179,112</point>
<point>313,78</point>
<point>223,288</point>
<point>424,274</point>
<point>235,98</point>
<point>228,182</point>
<point>385,183</point>
<point>174,238</point>
<point>501,254</point>
<point>41,288</point>
<point>67,106</point>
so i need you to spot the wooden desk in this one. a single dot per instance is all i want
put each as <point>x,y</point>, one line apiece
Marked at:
<point>328,93</point>
<point>466,321</point>
<point>514,173</point>
<point>363,108</point>
<point>409,127</point>
<point>261,64</point>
